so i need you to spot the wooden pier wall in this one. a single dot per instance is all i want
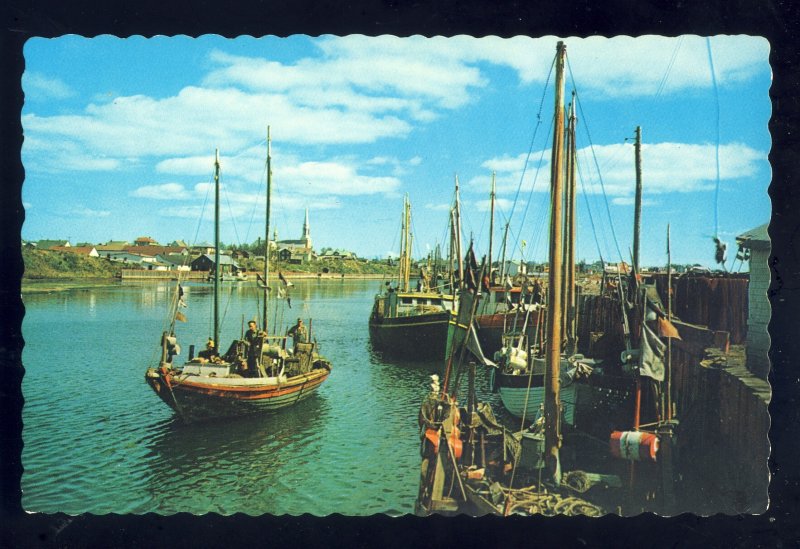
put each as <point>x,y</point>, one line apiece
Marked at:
<point>719,302</point>
<point>722,438</point>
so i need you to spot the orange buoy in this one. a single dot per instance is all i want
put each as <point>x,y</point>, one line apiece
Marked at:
<point>634,445</point>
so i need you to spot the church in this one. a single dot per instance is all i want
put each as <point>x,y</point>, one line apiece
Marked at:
<point>296,251</point>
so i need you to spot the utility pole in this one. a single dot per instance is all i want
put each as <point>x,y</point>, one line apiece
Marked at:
<point>637,212</point>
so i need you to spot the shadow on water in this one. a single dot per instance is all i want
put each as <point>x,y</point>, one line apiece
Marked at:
<point>247,460</point>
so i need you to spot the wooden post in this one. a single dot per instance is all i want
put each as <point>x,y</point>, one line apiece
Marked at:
<point>637,212</point>
<point>552,397</point>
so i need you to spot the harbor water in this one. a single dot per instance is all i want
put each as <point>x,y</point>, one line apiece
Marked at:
<point>98,440</point>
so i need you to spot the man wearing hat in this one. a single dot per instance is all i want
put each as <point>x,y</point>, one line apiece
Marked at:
<point>298,332</point>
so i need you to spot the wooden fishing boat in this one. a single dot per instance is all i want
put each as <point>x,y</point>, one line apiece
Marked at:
<point>415,323</point>
<point>257,373</point>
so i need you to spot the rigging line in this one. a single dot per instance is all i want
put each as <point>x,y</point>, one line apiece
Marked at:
<point>669,67</point>
<point>597,164</point>
<point>533,137</point>
<point>716,150</point>
<point>594,193</point>
<point>588,209</point>
<point>200,219</point>
<point>533,185</point>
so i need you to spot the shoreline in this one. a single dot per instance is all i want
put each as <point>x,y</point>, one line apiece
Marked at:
<point>52,285</point>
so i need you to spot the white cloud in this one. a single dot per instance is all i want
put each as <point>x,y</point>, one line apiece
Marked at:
<point>438,207</point>
<point>83,211</point>
<point>667,167</point>
<point>165,191</point>
<point>357,90</point>
<point>38,86</point>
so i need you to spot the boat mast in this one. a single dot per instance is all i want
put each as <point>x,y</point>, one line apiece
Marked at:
<point>404,247</point>
<point>491,224</point>
<point>552,409</point>
<point>216,250</point>
<point>569,226</point>
<point>637,212</point>
<point>458,238</point>
<point>266,229</point>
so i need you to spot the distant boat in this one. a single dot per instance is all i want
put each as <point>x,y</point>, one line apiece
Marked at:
<point>252,376</point>
<point>238,276</point>
<point>414,323</point>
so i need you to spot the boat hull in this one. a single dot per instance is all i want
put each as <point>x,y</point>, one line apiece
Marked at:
<point>197,398</point>
<point>514,388</point>
<point>424,335</point>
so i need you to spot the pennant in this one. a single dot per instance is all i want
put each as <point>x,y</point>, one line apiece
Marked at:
<point>667,328</point>
<point>281,292</point>
<point>182,303</point>
<point>180,316</point>
<point>289,301</point>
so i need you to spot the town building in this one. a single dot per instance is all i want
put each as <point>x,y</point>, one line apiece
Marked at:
<point>145,241</point>
<point>296,251</point>
<point>206,263</point>
<point>754,245</point>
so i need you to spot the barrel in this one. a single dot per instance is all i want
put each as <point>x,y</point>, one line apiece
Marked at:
<point>634,445</point>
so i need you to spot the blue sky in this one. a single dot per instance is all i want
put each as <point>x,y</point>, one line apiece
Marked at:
<point>120,137</point>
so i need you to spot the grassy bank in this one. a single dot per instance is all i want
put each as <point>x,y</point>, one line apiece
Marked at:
<point>45,265</point>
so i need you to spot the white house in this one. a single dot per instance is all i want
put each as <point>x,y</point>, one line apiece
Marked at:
<point>754,245</point>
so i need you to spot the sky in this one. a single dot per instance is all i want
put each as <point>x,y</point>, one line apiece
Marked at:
<point>120,137</point>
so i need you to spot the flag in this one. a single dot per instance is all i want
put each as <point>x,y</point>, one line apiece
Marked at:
<point>652,355</point>
<point>667,328</point>
<point>180,316</point>
<point>181,302</point>
<point>289,301</point>
<point>471,275</point>
<point>281,292</point>
<point>474,347</point>
<point>285,282</point>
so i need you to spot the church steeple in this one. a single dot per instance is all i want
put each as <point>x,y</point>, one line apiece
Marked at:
<point>306,228</point>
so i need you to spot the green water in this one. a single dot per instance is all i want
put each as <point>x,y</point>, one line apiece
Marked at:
<point>98,440</point>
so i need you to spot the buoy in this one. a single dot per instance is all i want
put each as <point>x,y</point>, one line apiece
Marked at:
<point>634,445</point>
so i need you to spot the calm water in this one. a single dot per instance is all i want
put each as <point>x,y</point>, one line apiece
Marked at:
<point>98,440</point>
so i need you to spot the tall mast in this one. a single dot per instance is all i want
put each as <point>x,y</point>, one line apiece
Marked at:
<point>458,237</point>
<point>637,212</point>
<point>554,336</point>
<point>409,241</point>
<point>668,377</point>
<point>266,228</point>
<point>491,224</point>
<point>571,301</point>
<point>216,249</point>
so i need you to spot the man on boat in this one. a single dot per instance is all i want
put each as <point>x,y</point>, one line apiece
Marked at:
<point>299,333</point>
<point>250,337</point>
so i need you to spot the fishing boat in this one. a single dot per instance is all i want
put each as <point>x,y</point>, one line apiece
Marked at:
<point>412,322</point>
<point>257,373</point>
<point>521,373</point>
<point>470,460</point>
